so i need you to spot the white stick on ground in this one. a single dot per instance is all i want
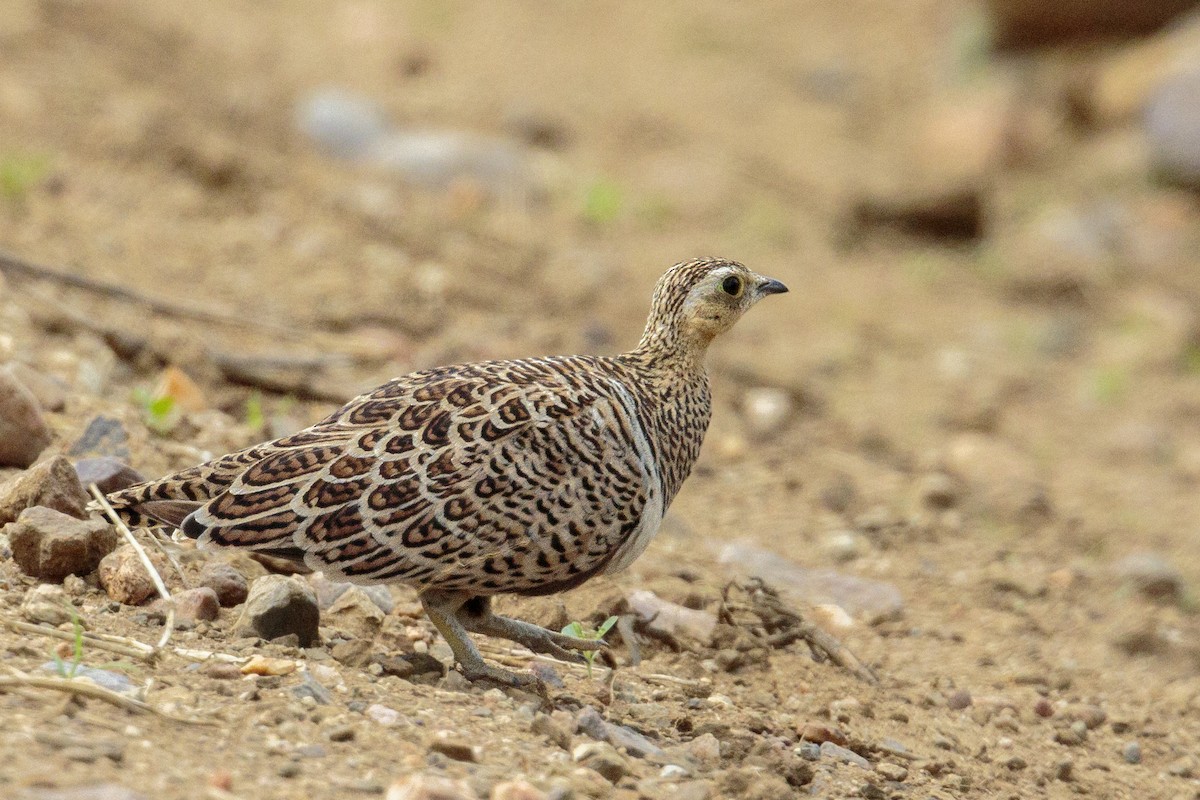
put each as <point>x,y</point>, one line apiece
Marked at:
<point>109,512</point>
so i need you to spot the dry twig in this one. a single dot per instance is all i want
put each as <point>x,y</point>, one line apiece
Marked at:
<point>14,266</point>
<point>85,688</point>
<point>161,587</point>
<point>278,374</point>
<point>127,647</point>
<point>784,625</point>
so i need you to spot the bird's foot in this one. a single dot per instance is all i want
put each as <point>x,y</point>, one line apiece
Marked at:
<point>533,637</point>
<point>482,671</point>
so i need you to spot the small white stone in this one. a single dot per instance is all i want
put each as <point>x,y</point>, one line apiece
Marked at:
<point>766,410</point>
<point>383,715</point>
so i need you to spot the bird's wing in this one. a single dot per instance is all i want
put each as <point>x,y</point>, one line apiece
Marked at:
<point>458,481</point>
<point>170,499</point>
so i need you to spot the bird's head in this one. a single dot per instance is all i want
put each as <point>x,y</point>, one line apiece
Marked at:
<point>695,301</point>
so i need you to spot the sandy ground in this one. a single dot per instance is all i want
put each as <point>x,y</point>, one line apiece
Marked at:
<point>991,426</point>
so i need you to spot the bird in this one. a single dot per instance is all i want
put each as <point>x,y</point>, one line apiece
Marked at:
<point>524,477</point>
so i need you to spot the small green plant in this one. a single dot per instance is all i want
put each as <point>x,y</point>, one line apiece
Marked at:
<point>159,411</point>
<point>602,202</point>
<point>68,669</point>
<point>255,418</point>
<point>577,630</point>
<point>18,174</point>
<point>1109,384</point>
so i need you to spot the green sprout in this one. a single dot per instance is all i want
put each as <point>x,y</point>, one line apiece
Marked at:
<point>159,411</point>
<point>67,669</point>
<point>255,418</point>
<point>70,669</point>
<point>577,630</point>
<point>602,202</point>
<point>19,173</point>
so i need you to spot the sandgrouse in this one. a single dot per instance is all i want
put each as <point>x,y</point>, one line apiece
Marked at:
<point>526,477</point>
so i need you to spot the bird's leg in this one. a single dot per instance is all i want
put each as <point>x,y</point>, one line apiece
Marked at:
<point>476,616</point>
<point>443,608</point>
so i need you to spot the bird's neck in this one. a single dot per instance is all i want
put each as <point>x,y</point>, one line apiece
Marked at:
<point>675,406</point>
<point>667,346</point>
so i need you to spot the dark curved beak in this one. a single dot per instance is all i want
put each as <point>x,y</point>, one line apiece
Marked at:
<point>772,286</point>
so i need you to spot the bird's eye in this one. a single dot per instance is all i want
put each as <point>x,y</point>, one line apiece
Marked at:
<point>732,285</point>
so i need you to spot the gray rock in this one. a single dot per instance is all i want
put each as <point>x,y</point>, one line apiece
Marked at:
<point>47,604</point>
<point>50,545</point>
<point>108,473</point>
<point>343,124</point>
<point>860,597</point>
<point>329,591</point>
<point>809,751</point>
<point>109,679</point>
<point>838,753</point>
<point>23,431</point>
<point>353,127</point>
<point>52,483</point>
<point>590,722</point>
<point>280,605</point>
<point>1132,752</point>
<point>1172,125</point>
<point>227,583</point>
<point>103,436</point>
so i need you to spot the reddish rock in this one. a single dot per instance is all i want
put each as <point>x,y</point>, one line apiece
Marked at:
<point>50,545</point>
<point>1026,23</point>
<point>124,577</point>
<point>227,583</point>
<point>52,484</point>
<point>23,431</point>
<point>50,392</point>
<point>196,605</point>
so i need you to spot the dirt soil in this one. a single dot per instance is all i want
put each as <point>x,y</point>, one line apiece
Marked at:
<point>986,425</point>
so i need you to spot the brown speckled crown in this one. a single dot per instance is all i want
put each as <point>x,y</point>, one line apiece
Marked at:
<point>525,476</point>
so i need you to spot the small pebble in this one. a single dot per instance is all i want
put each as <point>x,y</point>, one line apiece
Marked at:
<point>959,700</point>
<point>809,751</point>
<point>1132,752</point>
<point>449,744</point>
<point>342,733</point>
<point>383,715</point>
<point>264,665</point>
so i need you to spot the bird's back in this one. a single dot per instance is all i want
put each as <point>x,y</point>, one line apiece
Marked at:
<point>509,476</point>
